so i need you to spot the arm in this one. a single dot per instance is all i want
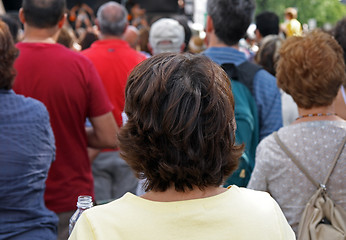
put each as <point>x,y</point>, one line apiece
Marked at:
<point>258,180</point>
<point>340,103</point>
<point>103,134</point>
<point>92,153</point>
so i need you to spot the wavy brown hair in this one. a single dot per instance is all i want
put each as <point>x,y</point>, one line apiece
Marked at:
<point>8,54</point>
<point>181,129</point>
<point>311,69</point>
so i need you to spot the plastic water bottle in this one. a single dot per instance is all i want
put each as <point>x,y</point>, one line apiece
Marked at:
<point>84,203</point>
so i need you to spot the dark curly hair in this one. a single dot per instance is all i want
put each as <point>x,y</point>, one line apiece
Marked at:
<point>181,129</point>
<point>8,54</point>
<point>311,69</point>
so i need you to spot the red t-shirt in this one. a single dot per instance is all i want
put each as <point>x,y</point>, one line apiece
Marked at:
<point>70,87</point>
<point>114,59</point>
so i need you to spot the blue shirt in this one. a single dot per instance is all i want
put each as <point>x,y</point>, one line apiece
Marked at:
<point>27,149</point>
<point>266,93</point>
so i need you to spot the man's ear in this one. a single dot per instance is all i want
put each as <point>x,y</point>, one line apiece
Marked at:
<point>97,24</point>
<point>210,24</point>
<point>182,47</point>
<point>127,24</point>
<point>62,21</point>
<point>150,48</point>
<point>258,35</point>
<point>21,15</point>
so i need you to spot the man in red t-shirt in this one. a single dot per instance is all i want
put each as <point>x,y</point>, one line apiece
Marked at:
<point>70,87</point>
<point>114,59</point>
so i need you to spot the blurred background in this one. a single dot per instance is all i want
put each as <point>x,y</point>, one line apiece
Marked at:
<point>316,13</point>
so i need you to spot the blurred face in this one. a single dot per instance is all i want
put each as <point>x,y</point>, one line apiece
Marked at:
<point>137,11</point>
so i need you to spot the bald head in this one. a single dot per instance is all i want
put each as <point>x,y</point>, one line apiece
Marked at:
<point>131,36</point>
<point>112,19</point>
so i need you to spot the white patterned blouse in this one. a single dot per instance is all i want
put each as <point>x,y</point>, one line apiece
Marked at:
<point>315,145</point>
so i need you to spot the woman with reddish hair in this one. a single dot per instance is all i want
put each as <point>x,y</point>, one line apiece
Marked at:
<point>311,69</point>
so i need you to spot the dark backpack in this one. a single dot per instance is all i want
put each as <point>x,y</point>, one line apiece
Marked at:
<point>246,117</point>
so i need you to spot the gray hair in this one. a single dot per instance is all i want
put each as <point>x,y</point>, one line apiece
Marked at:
<point>112,19</point>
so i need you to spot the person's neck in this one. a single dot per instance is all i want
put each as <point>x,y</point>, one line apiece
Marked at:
<point>317,114</point>
<point>39,35</point>
<point>213,41</point>
<point>171,195</point>
<point>110,37</point>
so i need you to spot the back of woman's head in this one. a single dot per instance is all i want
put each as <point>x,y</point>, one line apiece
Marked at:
<point>311,69</point>
<point>8,54</point>
<point>180,129</point>
<point>268,53</point>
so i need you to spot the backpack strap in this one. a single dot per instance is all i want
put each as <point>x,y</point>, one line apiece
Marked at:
<point>248,71</point>
<point>337,155</point>
<point>300,166</point>
<point>244,73</point>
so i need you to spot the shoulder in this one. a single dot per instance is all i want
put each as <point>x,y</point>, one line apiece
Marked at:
<point>116,207</point>
<point>19,109</point>
<point>265,87</point>
<point>68,56</point>
<point>269,217</point>
<point>36,110</point>
<point>269,153</point>
<point>257,202</point>
<point>262,76</point>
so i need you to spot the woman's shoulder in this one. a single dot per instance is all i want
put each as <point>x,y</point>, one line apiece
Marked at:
<point>19,108</point>
<point>252,199</point>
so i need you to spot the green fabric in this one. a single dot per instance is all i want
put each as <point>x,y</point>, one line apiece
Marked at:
<point>247,132</point>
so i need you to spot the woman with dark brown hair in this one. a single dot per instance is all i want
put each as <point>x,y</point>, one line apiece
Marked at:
<point>311,69</point>
<point>27,149</point>
<point>180,137</point>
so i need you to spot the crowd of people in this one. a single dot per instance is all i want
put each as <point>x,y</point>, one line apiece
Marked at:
<point>173,135</point>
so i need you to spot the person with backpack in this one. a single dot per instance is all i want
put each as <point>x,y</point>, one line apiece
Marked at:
<point>258,102</point>
<point>306,161</point>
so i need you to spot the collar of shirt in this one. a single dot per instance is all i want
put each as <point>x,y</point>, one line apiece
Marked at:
<point>4,91</point>
<point>110,43</point>
<point>221,55</point>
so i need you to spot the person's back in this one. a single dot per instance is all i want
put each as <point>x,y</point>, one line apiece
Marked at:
<point>180,139</point>
<point>224,216</point>
<point>114,59</point>
<point>27,149</point>
<point>314,136</point>
<point>246,117</point>
<point>68,84</point>
<point>224,30</point>
<point>267,56</point>
<point>52,74</point>
<point>293,26</point>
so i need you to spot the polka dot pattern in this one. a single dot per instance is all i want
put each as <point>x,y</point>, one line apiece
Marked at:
<point>315,145</point>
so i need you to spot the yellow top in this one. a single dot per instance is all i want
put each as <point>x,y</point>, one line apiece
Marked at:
<point>237,213</point>
<point>293,28</point>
